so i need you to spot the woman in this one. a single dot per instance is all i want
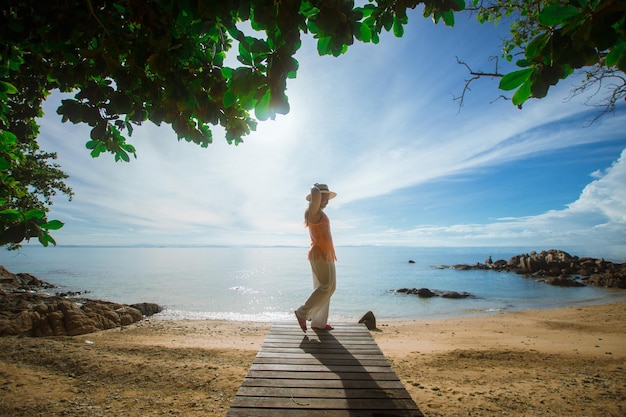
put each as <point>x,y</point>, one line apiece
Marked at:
<point>322,258</point>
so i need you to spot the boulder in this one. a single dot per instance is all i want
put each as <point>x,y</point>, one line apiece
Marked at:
<point>456,295</point>
<point>25,311</point>
<point>563,281</point>
<point>426,293</point>
<point>147,309</point>
<point>369,320</point>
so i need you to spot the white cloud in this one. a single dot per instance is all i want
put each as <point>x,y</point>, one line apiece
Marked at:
<point>595,222</point>
<point>377,120</point>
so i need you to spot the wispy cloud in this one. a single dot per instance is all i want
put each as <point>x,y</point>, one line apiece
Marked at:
<point>375,124</point>
<point>595,221</point>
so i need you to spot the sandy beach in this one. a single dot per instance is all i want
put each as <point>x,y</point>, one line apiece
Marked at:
<point>565,362</point>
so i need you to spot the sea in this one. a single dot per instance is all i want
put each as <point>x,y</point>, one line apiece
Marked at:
<point>268,283</point>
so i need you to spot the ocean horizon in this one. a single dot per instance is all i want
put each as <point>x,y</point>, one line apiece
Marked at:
<point>251,283</point>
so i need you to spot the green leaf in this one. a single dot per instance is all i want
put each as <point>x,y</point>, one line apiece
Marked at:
<point>8,137</point>
<point>556,14</point>
<point>398,28</point>
<point>4,164</point>
<point>448,18</point>
<point>458,5</point>
<point>230,98</point>
<point>53,225</point>
<point>293,73</point>
<point>244,55</point>
<point>522,94</point>
<point>45,238</point>
<point>388,21</point>
<point>34,214</point>
<point>536,45</point>
<point>262,109</point>
<point>7,88</point>
<point>100,147</point>
<point>128,148</point>
<point>323,46</point>
<point>364,33</point>
<point>11,215</point>
<point>123,155</point>
<point>616,54</point>
<point>514,79</point>
<point>227,72</point>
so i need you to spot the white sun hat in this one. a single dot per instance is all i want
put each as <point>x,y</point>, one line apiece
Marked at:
<point>324,190</point>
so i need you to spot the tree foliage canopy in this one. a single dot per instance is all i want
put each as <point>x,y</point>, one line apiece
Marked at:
<point>131,61</point>
<point>552,39</point>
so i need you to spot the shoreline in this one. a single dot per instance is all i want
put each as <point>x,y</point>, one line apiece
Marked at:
<point>558,362</point>
<point>179,315</point>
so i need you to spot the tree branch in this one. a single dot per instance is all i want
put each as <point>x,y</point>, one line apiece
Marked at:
<point>475,76</point>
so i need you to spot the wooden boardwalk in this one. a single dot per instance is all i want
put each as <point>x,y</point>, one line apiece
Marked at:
<point>338,373</point>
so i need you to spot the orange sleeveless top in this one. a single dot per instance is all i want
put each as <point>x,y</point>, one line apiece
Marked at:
<point>321,240</point>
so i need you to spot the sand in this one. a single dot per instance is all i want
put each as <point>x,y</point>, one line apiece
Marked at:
<point>565,362</point>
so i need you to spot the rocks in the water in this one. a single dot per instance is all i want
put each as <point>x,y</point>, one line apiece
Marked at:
<point>558,267</point>
<point>563,281</point>
<point>455,294</point>
<point>369,320</point>
<point>426,293</point>
<point>25,311</point>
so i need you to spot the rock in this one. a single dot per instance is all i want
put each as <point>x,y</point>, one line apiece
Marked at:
<point>128,315</point>
<point>411,261</point>
<point>556,264</point>
<point>426,293</point>
<point>147,309</point>
<point>77,322</point>
<point>563,282</point>
<point>369,319</point>
<point>456,295</point>
<point>27,312</point>
<point>21,281</point>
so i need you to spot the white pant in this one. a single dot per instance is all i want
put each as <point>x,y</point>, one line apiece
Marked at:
<point>316,306</point>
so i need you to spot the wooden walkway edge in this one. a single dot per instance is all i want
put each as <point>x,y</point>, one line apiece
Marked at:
<point>338,373</point>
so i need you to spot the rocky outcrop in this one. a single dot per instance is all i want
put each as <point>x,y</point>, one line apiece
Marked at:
<point>25,310</point>
<point>426,293</point>
<point>557,267</point>
<point>21,281</point>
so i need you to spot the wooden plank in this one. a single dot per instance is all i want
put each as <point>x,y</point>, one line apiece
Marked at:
<point>338,373</point>
<point>306,412</point>
<point>326,359</point>
<point>339,392</point>
<point>300,367</point>
<point>389,376</point>
<point>322,383</point>
<point>353,404</point>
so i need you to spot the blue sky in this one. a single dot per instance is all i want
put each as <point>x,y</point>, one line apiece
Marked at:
<point>380,126</point>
